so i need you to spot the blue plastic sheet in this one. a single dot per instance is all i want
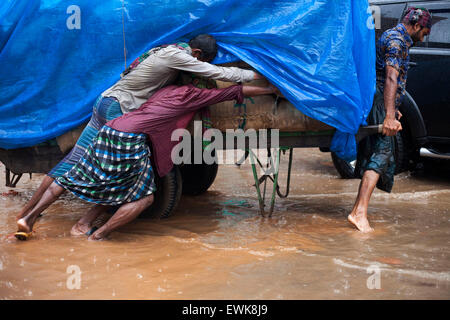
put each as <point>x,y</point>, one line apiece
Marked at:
<point>56,58</point>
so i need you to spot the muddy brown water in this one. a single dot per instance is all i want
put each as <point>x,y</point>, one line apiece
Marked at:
<point>216,246</point>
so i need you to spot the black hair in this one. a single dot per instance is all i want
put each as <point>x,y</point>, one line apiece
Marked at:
<point>207,44</point>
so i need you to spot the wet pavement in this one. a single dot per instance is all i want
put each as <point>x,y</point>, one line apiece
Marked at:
<point>216,246</point>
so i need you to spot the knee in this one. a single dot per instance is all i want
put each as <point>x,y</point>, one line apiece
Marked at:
<point>371,176</point>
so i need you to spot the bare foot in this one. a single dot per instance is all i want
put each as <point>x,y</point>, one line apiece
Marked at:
<point>93,237</point>
<point>23,226</point>
<point>84,225</point>
<point>360,222</point>
<point>79,229</point>
<point>98,236</point>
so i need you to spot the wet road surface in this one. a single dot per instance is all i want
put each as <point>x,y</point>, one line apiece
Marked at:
<point>216,246</point>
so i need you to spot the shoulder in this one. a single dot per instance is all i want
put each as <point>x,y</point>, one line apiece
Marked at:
<point>395,36</point>
<point>392,42</point>
<point>179,49</point>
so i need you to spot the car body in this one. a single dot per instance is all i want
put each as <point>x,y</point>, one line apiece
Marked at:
<point>426,106</point>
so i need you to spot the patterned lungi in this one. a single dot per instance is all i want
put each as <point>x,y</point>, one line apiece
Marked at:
<point>376,152</point>
<point>115,169</point>
<point>105,109</point>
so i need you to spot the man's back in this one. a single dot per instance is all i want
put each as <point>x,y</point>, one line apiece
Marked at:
<point>151,74</point>
<point>160,68</point>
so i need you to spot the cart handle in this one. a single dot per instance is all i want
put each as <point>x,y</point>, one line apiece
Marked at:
<point>368,130</point>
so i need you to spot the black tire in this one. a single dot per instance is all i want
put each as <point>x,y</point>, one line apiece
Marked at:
<point>401,153</point>
<point>197,178</point>
<point>167,195</point>
<point>347,170</point>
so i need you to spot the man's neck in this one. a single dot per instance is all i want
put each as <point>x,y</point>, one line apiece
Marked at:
<point>409,29</point>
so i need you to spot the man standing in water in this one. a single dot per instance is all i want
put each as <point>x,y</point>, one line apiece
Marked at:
<point>376,163</point>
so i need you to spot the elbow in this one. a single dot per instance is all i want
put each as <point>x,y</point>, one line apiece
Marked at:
<point>391,80</point>
<point>391,76</point>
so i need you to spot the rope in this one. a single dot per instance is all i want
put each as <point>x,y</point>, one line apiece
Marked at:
<point>242,121</point>
<point>123,34</point>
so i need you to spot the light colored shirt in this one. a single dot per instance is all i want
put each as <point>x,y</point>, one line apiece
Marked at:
<point>161,69</point>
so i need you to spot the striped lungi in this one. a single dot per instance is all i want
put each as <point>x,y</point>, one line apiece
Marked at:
<point>105,109</point>
<point>115,169</point>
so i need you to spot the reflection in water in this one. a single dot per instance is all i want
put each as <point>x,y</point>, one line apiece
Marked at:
<point>216,246</point>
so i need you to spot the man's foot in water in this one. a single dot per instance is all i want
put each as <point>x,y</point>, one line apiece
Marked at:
<point>79,229</point>
<point>23,225</point>
<point>94,218</point>
<point>24,229</point>
<point>359,220</point>
<point>98,236</point>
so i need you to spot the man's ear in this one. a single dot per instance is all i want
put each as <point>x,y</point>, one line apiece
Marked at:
<point>417,27</point>
<point>197,53</point>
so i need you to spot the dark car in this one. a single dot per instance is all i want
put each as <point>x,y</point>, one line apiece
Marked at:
<point>426,107</point>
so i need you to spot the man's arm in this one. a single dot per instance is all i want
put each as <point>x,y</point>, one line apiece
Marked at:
<point>394,51</point>
<point>251,91</point>
<point>185,62</point>
<point>390,125</point>
<point>206,97</point>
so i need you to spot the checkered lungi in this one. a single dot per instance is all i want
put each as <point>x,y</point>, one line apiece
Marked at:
<point>115,169</point>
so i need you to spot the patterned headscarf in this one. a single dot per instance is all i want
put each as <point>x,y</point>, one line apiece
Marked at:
<point>418,15</point>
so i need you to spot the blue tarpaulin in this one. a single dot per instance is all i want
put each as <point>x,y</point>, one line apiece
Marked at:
<point>57,56</point>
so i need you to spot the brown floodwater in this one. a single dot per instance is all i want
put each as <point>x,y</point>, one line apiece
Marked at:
<point>216,246</point>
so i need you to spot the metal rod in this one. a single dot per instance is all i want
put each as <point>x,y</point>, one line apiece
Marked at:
<point>288,177</point>
<point>255,176</point>
<point>275,182</point>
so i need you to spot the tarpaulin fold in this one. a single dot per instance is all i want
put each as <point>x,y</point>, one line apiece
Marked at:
<point>57,56</point>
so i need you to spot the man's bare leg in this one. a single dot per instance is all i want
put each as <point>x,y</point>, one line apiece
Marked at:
<point>85,223</point>
<point>50,195</point>
<point>358,216</point>
<point>126,213</point>
<point>46,182</point>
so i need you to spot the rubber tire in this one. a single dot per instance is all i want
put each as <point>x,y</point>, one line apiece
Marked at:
<point>167,195</point>
<point>346,171</point>
<point>344,168</point>
<point>197,178</point>
<point>401,153</point>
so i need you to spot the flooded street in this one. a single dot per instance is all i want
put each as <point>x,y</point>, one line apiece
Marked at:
<point>216,246</point>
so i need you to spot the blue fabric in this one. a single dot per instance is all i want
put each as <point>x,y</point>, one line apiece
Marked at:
<point>104,110</point>
<point>321,54</point>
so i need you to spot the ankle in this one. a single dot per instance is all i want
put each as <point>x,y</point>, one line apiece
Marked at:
<point>359,212</point>
<point>84,224</point>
